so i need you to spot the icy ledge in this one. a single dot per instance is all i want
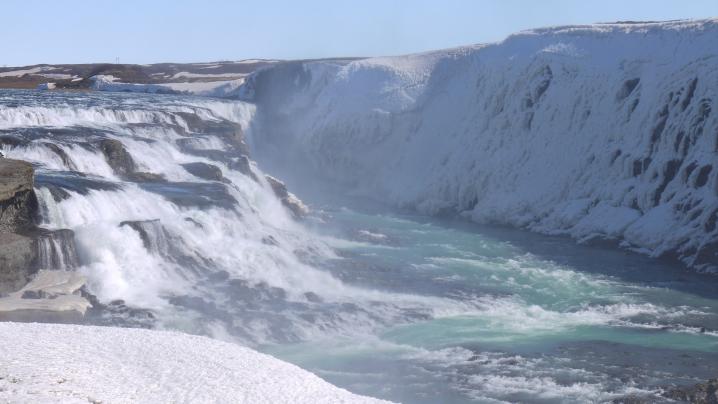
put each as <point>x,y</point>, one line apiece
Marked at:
<point>80,364</point>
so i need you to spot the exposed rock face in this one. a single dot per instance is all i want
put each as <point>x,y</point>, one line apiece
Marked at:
<point>289,200</point>
<point>18,203</point>
<point>24,247</point>
<point>17,257</point>
<point>117,156</point>
<point>18,207</point>
<point>151,232</point>
<point>242,165</point>
<point>231,132</point>
<point>205,171</point>
<point>702,393</point>
<point>122,162</point>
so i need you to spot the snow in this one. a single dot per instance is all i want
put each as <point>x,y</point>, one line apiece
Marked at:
<point>51,363</point>
<point>34,70</point>
<point>586,131</point>
<point>46,86</point>
<point>199,75</point>
<point>221,88</point>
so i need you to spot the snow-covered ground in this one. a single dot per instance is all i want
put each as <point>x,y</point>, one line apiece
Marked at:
<point>599,131</point>
<point>52,363</point>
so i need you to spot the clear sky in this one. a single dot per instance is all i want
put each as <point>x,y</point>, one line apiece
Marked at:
<point>82,31</point>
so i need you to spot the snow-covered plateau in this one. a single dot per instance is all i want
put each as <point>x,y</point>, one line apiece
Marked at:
<point>50,363</point>
<point>598,132</point>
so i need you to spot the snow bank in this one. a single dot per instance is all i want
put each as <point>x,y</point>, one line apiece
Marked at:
<point>599,131</point>
<point>50,363</point>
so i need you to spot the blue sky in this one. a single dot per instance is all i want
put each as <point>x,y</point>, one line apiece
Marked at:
<point>83,31</point>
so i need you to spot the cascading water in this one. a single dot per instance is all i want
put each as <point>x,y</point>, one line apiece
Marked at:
<point>56,251</point>
<point>154,200</point>
<point>220,255</point>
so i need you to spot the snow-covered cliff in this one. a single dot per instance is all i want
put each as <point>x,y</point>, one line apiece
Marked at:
<point>604,131</point>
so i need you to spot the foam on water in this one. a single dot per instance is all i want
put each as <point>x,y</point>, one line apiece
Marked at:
<point>469,314</point>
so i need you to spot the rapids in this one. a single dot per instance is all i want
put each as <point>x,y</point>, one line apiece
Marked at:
<point>380,302</point>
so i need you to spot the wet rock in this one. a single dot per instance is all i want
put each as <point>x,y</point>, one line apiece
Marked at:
<point>123,164</point>
<point>117,156</point>
<point>289,200</point>
<point>702,393</point>
<point>242,165</point>
<point>18,208</point>
<point>66,160</point>
<point>147,229</point>
<point>199,194</point>
<point>205,171</point>
<point>627,88</point>
<point>18,203</point>
<point>313,297</point>
<point>145,177</point>
<point>231,132</point>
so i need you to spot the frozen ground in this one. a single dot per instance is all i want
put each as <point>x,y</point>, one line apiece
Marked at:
<point>51,363</point>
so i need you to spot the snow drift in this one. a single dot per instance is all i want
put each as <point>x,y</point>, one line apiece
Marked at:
<point>605,131</point>
<point>49,363</point>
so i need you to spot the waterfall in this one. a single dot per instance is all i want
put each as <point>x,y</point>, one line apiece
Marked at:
<point>56,250</point>
<point>124,203</point>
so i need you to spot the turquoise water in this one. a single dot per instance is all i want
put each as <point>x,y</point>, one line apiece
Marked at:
<point>545,320</point>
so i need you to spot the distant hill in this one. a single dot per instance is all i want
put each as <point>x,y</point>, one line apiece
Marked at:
<point>79,76</point>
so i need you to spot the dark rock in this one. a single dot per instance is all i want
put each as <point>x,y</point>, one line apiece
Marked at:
<point>702,177</point>
<point>58,194</point>
<point>18,203</point>
<point>231,132</point>
<point>205,171</point>
<point>66,160</point>
<point>242,165</point>
<point>18,255</point>
<point>117,156</point>
<point>145,177</point>
<point>279,188</point>
<point>689,95</point>
<point>702,393</point>
<point>627,88</point>
<point>269,240</point>
<point>33,294</point>
<point>200,194</point>
<point>290,201</point>
<point>313,297</point>
<point>194,222</point>
<point>148,231</point>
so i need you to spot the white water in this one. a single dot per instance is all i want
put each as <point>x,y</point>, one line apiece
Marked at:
<point>189,245</point>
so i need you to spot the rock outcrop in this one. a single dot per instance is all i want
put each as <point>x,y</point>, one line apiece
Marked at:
<point>289,200</point>
<point>25,293</point>
<point>17,257</point>
<point>18,207</point>
<point>122,163</point>
<point>205,171</point>
<point>18,203</point>
<point>702,393</point>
